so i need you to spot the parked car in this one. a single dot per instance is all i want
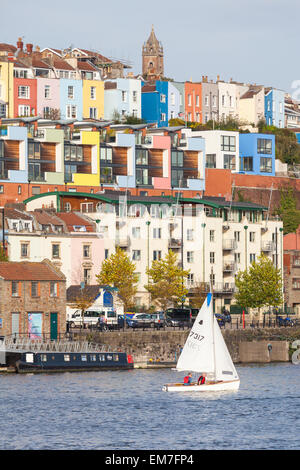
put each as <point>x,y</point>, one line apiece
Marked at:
<point>141,320</point>
<point>159,319</point>
<point>178,317</point>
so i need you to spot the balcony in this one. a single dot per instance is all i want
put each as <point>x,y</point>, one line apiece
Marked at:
<point>296,263</point>
<point>267,246</point>
<point>229,245</point>
<point>36,178</point>
<point>122,242</point>
<point>224,287</point>
<point>229,267</point>
<point>174,243</point>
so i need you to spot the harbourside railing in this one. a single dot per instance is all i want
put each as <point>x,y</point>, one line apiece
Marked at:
<point>25,344</point>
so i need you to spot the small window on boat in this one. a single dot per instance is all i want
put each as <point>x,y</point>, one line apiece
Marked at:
<point>116,357</point>
<point>93,357</point>
<point>101,357</point>
<point>29,357</point>
<point>83,357</point>
<point>109,357</point>
<point>52,357</point>
<point>227,372</point>
<point>44,357</point>
<point>67,357</point>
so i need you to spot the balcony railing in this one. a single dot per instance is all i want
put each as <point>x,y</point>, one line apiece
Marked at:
<point>229,267</point>
<point>122,242</point>
<point>229,245</point>
<point>36,178</point>
<point>174,243</point>
<point>4,175</point>
<point>267,246</point>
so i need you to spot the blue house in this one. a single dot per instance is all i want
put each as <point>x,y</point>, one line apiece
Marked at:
<point>257,154</point>
<point>274,107</point>
<point>155,103</point>
<point>71,99</point>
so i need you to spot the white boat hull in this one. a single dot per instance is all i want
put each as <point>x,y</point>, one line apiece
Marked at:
<point>209,387</point>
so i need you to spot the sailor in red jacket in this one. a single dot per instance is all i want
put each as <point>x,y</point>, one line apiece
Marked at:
<point>187,379</point>
<point>201,379</point>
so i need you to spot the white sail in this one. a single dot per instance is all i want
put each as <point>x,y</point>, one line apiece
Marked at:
<point>198,352</point>
<point>225,369</point>
<point>205,349</point>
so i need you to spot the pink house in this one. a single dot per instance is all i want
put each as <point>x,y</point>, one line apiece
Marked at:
<point>87,256</point>
<point>48,97</point>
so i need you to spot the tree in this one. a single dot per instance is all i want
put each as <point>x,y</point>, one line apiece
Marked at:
<point>118,271</point>
<point>166,281</point>
<point>3,255</point>
<point>83,300</point>
<point>260,285</point>
<point>198,294</point>
<point>288,211</point>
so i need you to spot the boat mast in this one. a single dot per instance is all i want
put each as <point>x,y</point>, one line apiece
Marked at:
<point>213,326</point>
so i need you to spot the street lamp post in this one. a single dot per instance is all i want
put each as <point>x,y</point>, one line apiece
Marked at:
<point>148,255</point>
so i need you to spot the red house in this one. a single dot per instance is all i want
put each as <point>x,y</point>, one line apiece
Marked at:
<point>25,91</point>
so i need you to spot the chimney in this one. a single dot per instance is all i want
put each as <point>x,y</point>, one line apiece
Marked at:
<point>218,78</point>
<point>206,78</point>
<point>20,44</point>
<point>29,48</point>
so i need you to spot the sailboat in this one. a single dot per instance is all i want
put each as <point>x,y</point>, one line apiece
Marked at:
<point>205,351</point>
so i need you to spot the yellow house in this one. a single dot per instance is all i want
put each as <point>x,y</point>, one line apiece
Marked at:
<point>6,88</point>
<point>93,99</point>
<point>90,168</point>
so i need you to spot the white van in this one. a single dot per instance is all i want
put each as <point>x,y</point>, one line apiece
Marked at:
<point>91,316</point>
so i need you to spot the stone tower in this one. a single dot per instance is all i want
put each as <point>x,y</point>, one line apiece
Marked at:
<point>153,58</point>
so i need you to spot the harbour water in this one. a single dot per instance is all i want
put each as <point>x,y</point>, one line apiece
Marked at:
<point>127,410</point>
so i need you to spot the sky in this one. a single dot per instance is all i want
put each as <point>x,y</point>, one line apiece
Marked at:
<point>250,41</point>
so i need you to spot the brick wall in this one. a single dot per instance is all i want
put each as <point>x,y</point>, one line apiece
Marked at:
<point>24,303</point>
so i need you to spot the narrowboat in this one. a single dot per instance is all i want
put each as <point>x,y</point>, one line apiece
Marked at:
<point>30,361</point>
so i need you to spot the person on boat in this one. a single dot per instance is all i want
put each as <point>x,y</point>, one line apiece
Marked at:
<point>187,379</point>
<point>201,379</point>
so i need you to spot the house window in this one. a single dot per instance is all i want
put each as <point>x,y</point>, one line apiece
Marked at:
<point>87,276</point>
<point>237,258</point>
<point>53,289</point>
<point>190,234</point>
<point>93,113</point>
<point>264,146</point>
<point>156,255</point>
<point>266,165</point>
<point>237,236</point>
<point>162,116</point>
<point>177,158</point>
<point>229,162</point>
<point>70,92</point>
<point>228,143</point>
<point>247,164</point>
<point>67,207</point>
<point>34,289</point>
<point>71,111</point>
<point>24,110</point>
<point>197,100</point>
<point>157,233</point>
<point>252,236</point>
<point>93,92</point>
<point>124,96</point>
<point>24,92</point>
<point>212,257</point>
<point>211,235</point>
<point>55,251</point>
<point>86,251</point>
<point>47,91</point>
<point>106,154</point>
<point>15,288</point>
<point>190,279</point>
<point>136,232</point>
<point>189,100</point>
<point>211,160</point>
<point>162,98</point>
<point>1,189</point>
<point>24,250</point>
<point>252,258</point>
<point>134,96</point>
<point>190,256</point>
<point>136,255</point>
<point>106,253</point>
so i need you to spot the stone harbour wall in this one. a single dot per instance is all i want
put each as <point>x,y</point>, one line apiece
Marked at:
<point>158,347</point>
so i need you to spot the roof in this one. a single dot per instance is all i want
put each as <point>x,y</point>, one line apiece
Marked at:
<point>148,88</point>
<point>27,271</point>
<point>86,65</point>
<point>71,219</point>
<point>46,218</point>
<point>74,292</point>
<point>61,64</point>
<point>16,214</point>
<point>7,47</point>
<point>250,93</point>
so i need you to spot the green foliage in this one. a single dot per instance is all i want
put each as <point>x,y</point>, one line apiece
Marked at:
<point>118,271</point>
<point>134,120</point>
<point>287,210</point>
<point>166,281</point>
<point>3,255</point>
<point>287,148</point>
<point>260,285</point>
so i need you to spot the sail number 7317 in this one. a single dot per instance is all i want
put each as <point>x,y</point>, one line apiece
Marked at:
<point>196,336</point>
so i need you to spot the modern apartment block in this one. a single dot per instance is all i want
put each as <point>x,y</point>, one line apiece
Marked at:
<point>213,238</point>
<point>257,154</point>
